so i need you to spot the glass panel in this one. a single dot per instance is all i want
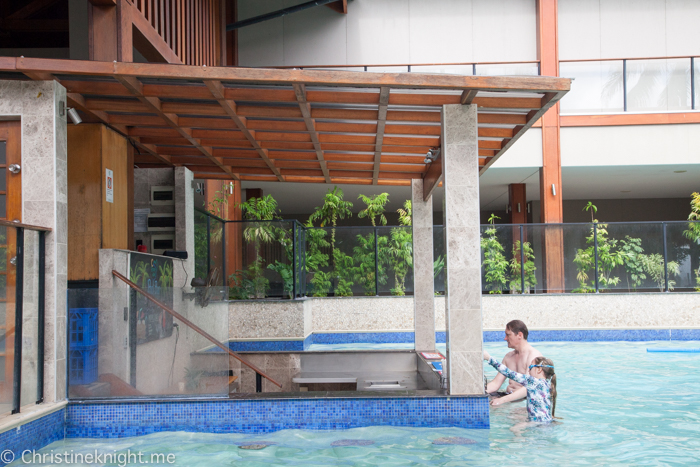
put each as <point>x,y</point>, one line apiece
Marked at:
<point>3,182</point>
<point>444,69</point>
<point>8,237</point>
<point>696,66</point>
<point>3,149</point>
<point>439,259</point>
<point>683,248</point>
<point>508,69</point>
<point>396,253</point>
<point>201,242</point>
<point>3,208</point>
<point>150,353</point>
<point>216,252</point>
<point>317,254</point>
<point>30,319</point>
<point>597,87</point>
<point>639,247</point>
<point>658,84</point>
<point>496,252</point>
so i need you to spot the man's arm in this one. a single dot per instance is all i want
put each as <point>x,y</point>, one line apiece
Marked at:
<point>520,393</point>
<point>496,383</point>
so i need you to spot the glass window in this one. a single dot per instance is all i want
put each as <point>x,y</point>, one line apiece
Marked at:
<point>696,67</point>
<point>3,147</point>
<point>444,69</point>
<point>660,85</point>
<point>597,87</point>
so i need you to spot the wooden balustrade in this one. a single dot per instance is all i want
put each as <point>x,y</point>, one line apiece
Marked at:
<point>191,28</point>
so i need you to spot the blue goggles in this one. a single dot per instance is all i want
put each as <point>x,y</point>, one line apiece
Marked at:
<point>539,366</point>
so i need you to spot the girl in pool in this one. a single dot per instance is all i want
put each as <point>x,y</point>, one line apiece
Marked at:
<point>541,384</point>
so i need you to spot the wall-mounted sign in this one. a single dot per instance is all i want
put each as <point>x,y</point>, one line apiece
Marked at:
<point>109,185</point>
<point>155,275</point>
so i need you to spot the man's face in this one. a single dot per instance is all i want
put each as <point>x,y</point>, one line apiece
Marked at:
<point>512,339</point>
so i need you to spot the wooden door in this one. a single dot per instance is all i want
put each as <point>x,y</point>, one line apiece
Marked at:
<point>11,210</point>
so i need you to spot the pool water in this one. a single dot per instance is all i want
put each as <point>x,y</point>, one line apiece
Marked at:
<point>619,405</point>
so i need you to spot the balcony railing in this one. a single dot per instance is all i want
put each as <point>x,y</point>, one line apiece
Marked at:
<point>283,259</point>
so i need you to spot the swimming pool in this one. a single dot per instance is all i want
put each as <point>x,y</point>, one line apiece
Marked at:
<point>619,406</point>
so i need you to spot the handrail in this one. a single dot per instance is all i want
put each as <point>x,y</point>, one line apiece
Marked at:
<point>385,65</point>
<point>672,57</point>
<point>19,225</point>
<point>196,328</point>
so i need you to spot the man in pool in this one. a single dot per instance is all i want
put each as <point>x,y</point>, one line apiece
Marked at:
<point>517,360</point>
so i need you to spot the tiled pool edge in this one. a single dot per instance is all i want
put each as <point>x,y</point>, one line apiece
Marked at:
<point>118,420</point>
<point>572,335</point>
<point>33,435</point>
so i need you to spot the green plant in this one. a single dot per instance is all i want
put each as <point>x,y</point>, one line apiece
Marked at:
<point>400,249</point>
<point>654,266</point>
<point>219,204</point>
<point>343,273</point>
<point>249,283</point>
<point>495,264</point>
<point>528,270</point>
<point>405,214</point>
<point>375,207</point>
<point>363,255</point>
<point>632,261</point>
<point>608,258</point>
<point>693,232</point>
<point>592,208</point>
<point>438,266</point>
<point>316,259</point>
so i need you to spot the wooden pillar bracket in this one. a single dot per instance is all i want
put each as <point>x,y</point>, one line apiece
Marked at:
<point>305,107</point>
<point>381,124</point>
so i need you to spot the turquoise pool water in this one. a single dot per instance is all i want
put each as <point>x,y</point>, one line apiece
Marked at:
<point>619,406</point>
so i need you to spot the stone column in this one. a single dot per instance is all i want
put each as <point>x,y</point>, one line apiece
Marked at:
<point>423,281</point>
<point>462,264</point>
<point>184,217</point>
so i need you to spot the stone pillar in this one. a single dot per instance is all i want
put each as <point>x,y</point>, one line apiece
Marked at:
<point>423,280</point>
<point>463,257</point>
<point>184,216</point>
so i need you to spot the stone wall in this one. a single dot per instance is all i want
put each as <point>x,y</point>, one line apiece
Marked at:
<point>297,319</point>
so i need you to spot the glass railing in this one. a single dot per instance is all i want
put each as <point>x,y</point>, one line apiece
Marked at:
<point>283,259</point>
<point>22,266</point>
<point>121,344</point>
<point>631,85</point>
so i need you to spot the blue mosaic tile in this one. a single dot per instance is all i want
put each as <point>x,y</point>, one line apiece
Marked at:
<point>363,337</point>
<point>119,420</point>
<point>440,337</point>
<point>266,346</point>
<point>308,342</point>
<point>599,335</point>
<point>34,435</point>
<point>685,334</point>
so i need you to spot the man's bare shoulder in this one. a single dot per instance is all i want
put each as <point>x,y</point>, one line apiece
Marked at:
<point>534,353</point>
<point>509,357</point>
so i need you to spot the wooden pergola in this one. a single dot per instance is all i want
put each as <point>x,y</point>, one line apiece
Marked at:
<point>292,125</point>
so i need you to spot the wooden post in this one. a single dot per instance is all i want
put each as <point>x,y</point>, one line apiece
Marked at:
<point>550,173</point>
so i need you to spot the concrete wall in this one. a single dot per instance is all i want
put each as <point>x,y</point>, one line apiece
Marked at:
<point>273,320</point>
<point>384,32</point>
<point>144,179</point>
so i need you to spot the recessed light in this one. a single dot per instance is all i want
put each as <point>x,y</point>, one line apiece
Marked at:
<point>625,191</point>
<point>679,171</point>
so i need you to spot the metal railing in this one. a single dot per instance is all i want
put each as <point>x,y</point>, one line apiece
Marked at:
<point>17,234</point>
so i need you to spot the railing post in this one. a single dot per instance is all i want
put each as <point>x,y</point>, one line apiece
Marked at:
<point>19,293</point>
<point>294,260</point>
<point>692,83</point>
<point>40,317</point>
<point>208,245</point>
<point>522,262</point>
<point>376,262</point>
<point>665,260</point>
<point>223,253</point>
<point>595,254</point>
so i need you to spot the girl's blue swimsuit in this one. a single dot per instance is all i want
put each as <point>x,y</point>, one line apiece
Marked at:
<point>539,392</point>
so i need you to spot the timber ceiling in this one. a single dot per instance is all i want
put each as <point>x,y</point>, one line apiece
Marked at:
<point>291,125</point>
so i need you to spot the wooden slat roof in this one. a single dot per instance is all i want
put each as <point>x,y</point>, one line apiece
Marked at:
<point>291,125</point>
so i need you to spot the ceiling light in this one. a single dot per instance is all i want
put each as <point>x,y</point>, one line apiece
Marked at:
<point>73,114</point>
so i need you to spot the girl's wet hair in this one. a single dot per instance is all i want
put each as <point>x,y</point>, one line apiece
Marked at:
<point>549,374</point>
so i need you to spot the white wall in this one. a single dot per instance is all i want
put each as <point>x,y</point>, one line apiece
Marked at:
<point>590,29</point>
<point>390,31</point>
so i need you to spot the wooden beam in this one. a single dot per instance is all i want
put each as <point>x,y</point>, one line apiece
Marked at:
<point>154,105</point>
<point>341,6</point>
<point>305,108</point>
<point>267,76</point>
<point>147,40</point>
<point>468,96</point>
<point>432,178</point>
<point>384,92</point>
<point>229,107</point>
<point>629,119</point>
